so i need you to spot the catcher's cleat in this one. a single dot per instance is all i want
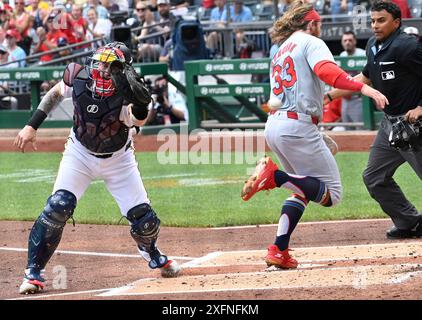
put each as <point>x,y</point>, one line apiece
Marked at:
<point>170,270</point>
<point>280,259</point>
<point>262,179</point>
<point>32,283</point>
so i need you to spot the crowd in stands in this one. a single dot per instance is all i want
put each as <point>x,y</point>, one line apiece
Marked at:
<point>42,25</point>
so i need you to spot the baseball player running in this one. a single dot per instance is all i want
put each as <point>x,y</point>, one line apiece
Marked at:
<point>298,72</point>
<point>100,146</point>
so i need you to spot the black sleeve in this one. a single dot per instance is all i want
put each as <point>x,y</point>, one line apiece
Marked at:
<point>410,55</point>
<point>365,70</point>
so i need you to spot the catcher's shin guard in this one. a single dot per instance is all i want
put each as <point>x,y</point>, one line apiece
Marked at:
<point>144,230</point>
<point>48,228</point>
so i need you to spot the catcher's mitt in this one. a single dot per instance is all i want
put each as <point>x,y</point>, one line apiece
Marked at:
<point>129,84</point>
<point>405,136</point>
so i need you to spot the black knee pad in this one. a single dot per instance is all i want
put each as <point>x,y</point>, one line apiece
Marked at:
<point>145,226</point>
<point>48,228</point>
<point>59,208</point>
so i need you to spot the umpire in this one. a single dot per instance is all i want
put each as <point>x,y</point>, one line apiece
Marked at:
<point>394,67</point>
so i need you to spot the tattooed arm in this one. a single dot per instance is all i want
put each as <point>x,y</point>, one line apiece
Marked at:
<point>29,133</point>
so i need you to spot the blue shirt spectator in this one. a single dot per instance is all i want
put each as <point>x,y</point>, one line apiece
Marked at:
<point>102,12</point>
<point>219,13</point>
<point>240,13</point>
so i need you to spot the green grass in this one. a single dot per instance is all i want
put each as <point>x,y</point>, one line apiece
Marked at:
<point>26,180</point>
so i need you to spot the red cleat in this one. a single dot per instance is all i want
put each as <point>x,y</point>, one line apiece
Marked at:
<point>262,179</point>
<point>280,259</point>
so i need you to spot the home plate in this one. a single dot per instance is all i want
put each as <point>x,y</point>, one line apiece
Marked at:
<point>356,277</point>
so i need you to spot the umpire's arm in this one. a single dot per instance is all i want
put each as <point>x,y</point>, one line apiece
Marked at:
<point>412,58</point>
<point>339,93</point>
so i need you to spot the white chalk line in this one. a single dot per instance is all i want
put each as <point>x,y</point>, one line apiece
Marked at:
<point>96,254</point>
<point>29,297</point>
<point>302,223</point>
<point>195,262</point>
<point>117,292</point>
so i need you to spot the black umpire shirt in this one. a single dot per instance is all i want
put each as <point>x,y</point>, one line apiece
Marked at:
<point>395,69</point>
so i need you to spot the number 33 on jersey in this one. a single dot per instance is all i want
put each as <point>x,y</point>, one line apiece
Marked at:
<point>292,78</point>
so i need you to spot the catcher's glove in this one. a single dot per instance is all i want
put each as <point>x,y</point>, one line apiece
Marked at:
<point>130,85</point>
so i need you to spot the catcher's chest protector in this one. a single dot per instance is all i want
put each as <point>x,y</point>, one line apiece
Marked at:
<point>96,121</point>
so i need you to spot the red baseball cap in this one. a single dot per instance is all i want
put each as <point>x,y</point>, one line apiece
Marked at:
<point>5,7</point>
<point>14,34</point>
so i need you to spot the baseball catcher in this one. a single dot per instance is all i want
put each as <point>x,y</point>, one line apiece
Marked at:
<point>109,98</point>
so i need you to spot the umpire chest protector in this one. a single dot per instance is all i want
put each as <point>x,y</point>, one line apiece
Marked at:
<point>96,121</point>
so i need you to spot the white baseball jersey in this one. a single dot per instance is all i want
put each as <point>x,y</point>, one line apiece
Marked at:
<point>292,78</point>
<point>296,141</point>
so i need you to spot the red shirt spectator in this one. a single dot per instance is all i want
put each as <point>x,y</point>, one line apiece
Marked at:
<point>80,25</point>
<point>208,4</point>
<point>49,40</point>
<point>332,111</point>
<point>404,8</point>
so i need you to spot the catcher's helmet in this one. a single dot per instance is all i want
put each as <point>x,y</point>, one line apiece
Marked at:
<point>122,47</point>
<point>99,70</point>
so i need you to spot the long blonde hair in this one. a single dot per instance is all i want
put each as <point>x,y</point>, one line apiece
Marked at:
<point>291,21</point>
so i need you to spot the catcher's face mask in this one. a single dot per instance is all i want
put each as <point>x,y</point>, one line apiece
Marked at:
<point>99,65</point>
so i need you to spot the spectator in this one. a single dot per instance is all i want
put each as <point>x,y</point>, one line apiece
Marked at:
<point>169,106</point>
<point>351,105</point>
<point>16,53</point>
<point>331,112</point>
<point>164,14</point>
<point>218,15</point>
<point>97,27</point>
<point>116,5</point>
<point>3,54</point>
<point>239,12</point>
<point>102,12</point>
<point>6,13</point>
<point>16,58</point>
<point>80,25</point>
<point>63,21</point>
<point>404,8</point>
<point>149,50</point>
<point>50,39</point>
<point>207,4</point>
<point>21,22</point>
<point>166,53</point>
<point>139,14</point>
<point>341,7</point>
<point>38,12</point>
<point>6,102</point>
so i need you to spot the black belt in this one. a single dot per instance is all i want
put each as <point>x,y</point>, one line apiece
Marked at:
<point>102,156</point>
<point>108,155</point>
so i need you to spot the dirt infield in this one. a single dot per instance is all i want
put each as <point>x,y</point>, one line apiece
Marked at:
<point>53,140</point>
<point>338,260</point>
